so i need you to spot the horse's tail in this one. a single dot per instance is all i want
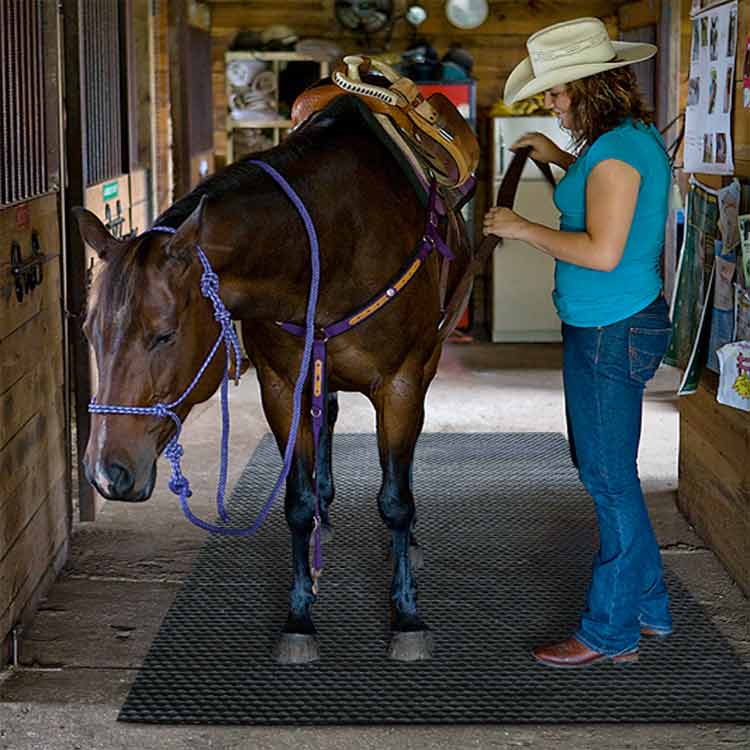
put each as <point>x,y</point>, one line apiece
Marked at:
<point>506,196</point>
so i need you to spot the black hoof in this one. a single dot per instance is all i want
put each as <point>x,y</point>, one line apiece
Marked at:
<point>414,645</point>
<point>296,648</point>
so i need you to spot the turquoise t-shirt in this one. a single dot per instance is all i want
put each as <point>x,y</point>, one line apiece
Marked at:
<point>585,297</point>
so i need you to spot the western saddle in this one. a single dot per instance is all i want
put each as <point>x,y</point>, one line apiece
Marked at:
<point>432,134</point>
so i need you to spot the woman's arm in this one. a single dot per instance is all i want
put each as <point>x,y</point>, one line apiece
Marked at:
<point>611,195</point>
<point>544,149</point>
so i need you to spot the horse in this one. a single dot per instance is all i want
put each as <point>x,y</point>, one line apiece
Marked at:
<point>147,325</point>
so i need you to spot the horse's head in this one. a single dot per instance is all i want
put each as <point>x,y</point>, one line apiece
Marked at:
<point>150,329</point>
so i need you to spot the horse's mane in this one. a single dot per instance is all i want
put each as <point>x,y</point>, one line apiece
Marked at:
<point>120,278</point>
<point>242,175</point>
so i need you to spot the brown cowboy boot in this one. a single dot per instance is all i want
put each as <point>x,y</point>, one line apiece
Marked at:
<point>572,653</point>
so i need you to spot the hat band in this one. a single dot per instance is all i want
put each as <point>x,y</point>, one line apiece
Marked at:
<point>579,52</point>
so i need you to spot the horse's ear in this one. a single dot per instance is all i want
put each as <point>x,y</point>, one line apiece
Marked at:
<point>94,233</point>
<point>183,242</point>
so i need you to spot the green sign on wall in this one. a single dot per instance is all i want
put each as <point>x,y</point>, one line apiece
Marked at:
<point>109,190</point>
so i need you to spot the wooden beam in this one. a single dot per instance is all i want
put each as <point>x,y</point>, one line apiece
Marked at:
<point>669,41</point>
<point>178,51</point>
<point>636,15</point>
<point>75,304</point>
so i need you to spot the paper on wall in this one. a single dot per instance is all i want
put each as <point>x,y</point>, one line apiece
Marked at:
<point>708,115</point>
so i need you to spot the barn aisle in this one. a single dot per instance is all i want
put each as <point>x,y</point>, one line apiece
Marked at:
<point>93,631</point>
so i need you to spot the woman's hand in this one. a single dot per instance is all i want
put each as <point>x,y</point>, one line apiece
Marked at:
<point>543,149</point>
<point>505,223</point>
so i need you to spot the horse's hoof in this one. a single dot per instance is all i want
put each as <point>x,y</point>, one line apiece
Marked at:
<point>416,557</point>
<point>415,645</point>
<point>296,648</point>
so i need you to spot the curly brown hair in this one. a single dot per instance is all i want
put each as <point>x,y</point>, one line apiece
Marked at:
<point>601,102</point>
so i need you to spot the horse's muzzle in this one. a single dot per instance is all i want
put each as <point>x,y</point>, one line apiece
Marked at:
<point>117,482</point>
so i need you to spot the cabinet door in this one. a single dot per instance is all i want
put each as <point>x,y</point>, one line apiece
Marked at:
<point>523,277</point>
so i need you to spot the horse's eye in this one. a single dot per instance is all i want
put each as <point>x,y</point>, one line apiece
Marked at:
<point>163,338</point>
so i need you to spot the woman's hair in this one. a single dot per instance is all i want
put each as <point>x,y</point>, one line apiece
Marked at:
<point>601,102</point>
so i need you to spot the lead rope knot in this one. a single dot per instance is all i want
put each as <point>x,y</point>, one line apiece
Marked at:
<point>160,410</point>
<point>209,284</point>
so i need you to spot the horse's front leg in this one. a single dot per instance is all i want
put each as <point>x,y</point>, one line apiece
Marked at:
<point>297,643</point>
<point>325,465</point>
<point>399,403</point>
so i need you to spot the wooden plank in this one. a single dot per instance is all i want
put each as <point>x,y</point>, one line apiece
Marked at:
<point>726,428</point>
<point>20,507</point>
<point>42,219</point>
<point>138,186</point>
<point>15,314</point>
<point>20,402</point>
<point>636,15</point>
<point>714,476</point>
<point>197,161</point>
<point>741,128</point>
<point>506,17</point>
<point>29,447</point>
<point>95,202</point>
<point>25,564</point>
<point>76,148</point>
<point>26,346</point>
<point>178,95</point>
<point>28,599</point>
<point>140,217</point>
<point>732,479</point>
<point>713,512</point>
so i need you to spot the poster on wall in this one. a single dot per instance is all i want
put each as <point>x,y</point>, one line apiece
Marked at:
<point>722,312</point>
<point>708,116</point>
<point>693,291</point>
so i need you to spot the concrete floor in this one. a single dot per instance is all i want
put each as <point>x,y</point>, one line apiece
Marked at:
<point>94,629</point>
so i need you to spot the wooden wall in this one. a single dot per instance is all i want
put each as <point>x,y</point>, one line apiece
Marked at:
<point>496,46</point>
<point>714,461</point>
<point>34,512</point>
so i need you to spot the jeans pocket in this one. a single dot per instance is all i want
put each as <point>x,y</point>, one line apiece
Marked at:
<point>646,347</point>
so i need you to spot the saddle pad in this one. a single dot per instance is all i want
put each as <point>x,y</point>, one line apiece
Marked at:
<point>508,534</point>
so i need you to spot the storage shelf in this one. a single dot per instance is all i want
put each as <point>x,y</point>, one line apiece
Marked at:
<point>271,56</point>
<point>257,124</point>
<point>276,61</point>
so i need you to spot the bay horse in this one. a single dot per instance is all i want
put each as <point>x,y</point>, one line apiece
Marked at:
<point>150,329</point>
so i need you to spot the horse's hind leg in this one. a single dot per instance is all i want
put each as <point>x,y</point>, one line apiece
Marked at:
<point>399,403</point>
<point>297,643</point>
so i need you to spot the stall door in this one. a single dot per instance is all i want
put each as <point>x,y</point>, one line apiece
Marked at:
<point>101,112</point>
<point>34,474</point>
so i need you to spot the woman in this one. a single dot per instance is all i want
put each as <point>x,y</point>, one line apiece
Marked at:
<point>613,205</point>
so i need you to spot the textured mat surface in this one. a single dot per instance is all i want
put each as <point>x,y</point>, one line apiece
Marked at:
<point>508,534</point>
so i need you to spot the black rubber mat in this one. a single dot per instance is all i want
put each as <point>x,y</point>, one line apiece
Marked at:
<point>507,532</point>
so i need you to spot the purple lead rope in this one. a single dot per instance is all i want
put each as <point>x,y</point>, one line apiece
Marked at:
<point>178,483</point>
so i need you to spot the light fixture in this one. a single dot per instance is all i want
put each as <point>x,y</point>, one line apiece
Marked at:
<point>416,15</point>
<point>466,14</point>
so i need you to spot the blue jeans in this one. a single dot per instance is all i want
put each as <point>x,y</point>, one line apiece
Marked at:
<point>605,369</point>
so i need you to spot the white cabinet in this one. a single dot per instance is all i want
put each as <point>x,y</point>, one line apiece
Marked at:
<point>523,277</point>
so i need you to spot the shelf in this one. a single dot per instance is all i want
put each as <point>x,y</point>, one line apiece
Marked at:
<point>275,63</point>
<point>257,124</point>
<point>271,56</point>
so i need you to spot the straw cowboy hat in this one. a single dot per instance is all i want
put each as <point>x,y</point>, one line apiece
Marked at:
<point>569,51</point>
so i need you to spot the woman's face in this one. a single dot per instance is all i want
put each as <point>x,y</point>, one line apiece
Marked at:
<point>558,100</point>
